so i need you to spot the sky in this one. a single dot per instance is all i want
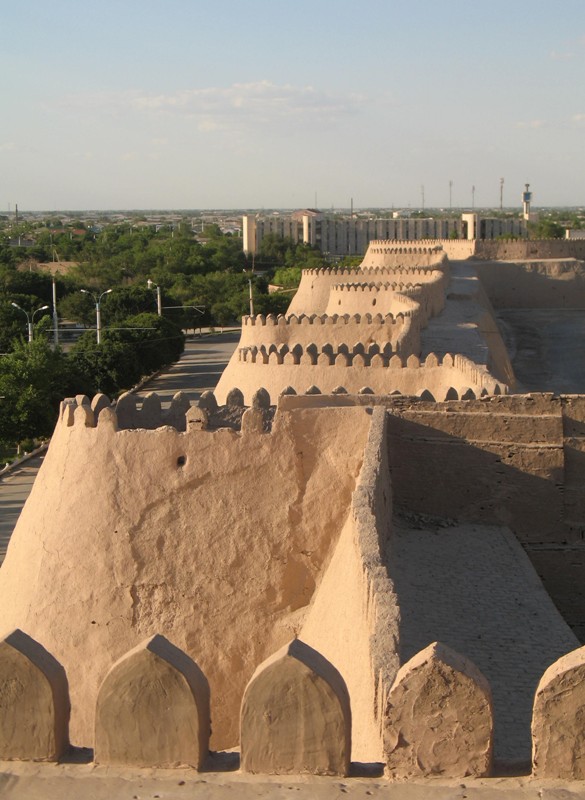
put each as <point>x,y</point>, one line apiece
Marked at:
<point>191,104</point>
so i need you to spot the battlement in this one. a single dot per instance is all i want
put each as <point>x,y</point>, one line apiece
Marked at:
<point>418,272</point>
<point>338,272</point>
<point>390,246</point>
<point>404,255</point>
<point>355,369</point>
<point>346,272</point>
<point>323,355</point>
<point>320,319</point>
<point>130,413</point>
<point>374,286</point>
<point>154,635</point>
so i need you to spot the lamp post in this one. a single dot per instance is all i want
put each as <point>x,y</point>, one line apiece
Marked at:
<point>98,316</point>
<point>150,284</point>
<point>55,317</point>
<point>30,318</point>
<point>251,295</point>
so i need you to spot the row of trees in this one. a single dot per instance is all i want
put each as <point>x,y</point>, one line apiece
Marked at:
<point>203,282</point>
<point>210,272</point>
<point>34,376</point>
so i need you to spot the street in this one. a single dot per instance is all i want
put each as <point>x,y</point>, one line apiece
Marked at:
<point>198,369</point>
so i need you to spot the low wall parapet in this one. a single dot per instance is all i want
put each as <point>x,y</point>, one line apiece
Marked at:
<point>259,320</point>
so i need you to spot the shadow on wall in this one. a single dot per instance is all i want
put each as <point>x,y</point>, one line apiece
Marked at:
<point>472,586</point>
<point>539,285</point>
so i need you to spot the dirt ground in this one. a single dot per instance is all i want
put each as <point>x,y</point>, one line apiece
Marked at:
<point>88,782</point>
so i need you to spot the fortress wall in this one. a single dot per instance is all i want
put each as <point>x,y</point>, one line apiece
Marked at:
<point>394,254</point>
<point>402,274</point>
<point>369,328</point>
<point>409,340</point>
<point>459,249</point>
<point>430,296</point>
<point>363,641</point>
<point>563,564</point>
<point>499,461</point>
<point>498,361</point>
<point>128,532</point>
<point>312,296</point>
<point>362,298</point>
<point>340,354</point>
<point>406,377</point>
<point>559,283</point>
<point>516,461</point>
<point>522,249</point>
<point>435,249</point>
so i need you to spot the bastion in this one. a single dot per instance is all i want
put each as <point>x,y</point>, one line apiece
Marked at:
<point>354,551</point>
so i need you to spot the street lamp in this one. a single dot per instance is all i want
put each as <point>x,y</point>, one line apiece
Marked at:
<point>30,318</point>
<point>150,284</point>
<point>98,316</point>
<point>251,295</point>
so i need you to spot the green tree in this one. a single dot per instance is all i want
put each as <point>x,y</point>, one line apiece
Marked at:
<point>136,347</point>
<point>546,229</point>
<point>288,277</point>
<point>33,380</point>
<point>108,367</point>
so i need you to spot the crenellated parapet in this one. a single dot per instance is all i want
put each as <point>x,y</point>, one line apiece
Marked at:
<point>404,255</point>
<point>422,246</point>
<point>356,369</point>
<point>274,333</point>
<point>282,321</point>
<point>328,354</point>
<point>415,274</point>
<point>375,286</point>
<point>130,412</point>
<point>327,272</point>
<point>153,707</point>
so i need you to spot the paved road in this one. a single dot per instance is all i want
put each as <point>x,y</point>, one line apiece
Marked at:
<point>198,369</point>
<point>15,487</point>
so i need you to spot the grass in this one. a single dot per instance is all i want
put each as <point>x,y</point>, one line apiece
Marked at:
<point>7,454</point>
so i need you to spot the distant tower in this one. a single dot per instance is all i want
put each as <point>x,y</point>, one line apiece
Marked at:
<point>501,194</point>
<point>526,200</point>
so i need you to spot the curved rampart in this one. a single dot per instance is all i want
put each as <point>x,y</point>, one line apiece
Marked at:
<point>127,532</point>
<point>405,274</point>
<point>312,296</point>
<point>321,329</point>
<point>363,297</point>
<point>448,378</point>
<point>393,254</point>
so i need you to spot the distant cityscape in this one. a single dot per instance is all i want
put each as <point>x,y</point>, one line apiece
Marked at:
<point>334,232</point>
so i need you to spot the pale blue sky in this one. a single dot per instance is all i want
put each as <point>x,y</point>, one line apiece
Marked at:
<point>194,104</point>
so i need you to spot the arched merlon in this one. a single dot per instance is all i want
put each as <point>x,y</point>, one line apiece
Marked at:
<point>34,701</point>
<point>438,719</point>
<point>153,709</point>
<point>296,715</point>
<point>558,737</point>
